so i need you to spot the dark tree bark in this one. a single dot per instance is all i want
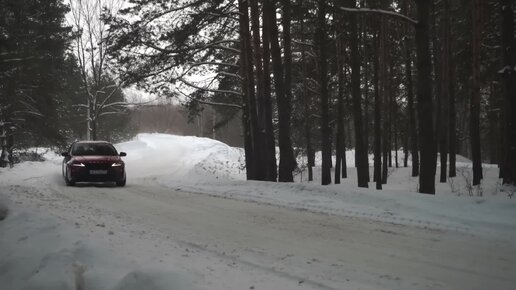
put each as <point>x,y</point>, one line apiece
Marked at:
<point>445,92</point>
<point>262,169</point>
<point>377,120</point>
<point>410,102</point>
<point>360,147</point>
<point>424,98</point>
<point>287,162</point>
<point>396,145</point>
<point>475,97</point>
<point>384,95</point>
<point>272,168</point>
<point>320,37</point>
<point>363,39</point>
<point>244,73</point>
<point>340,147</point>
<point>508,169</point>
<point>340,117</point>
<point>405,146</point>
<point>251,94</point>
<point>306,104</point>
<point>388,115</point>
<point>452,119</point>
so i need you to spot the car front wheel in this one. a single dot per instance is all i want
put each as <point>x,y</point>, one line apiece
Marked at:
<point>68,181</point>
<point>121,182</point>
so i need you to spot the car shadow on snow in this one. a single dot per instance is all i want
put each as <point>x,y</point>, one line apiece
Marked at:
<point>95,184</point>
<point>59,179</point>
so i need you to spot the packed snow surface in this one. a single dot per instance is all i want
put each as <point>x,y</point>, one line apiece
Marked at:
<point>188,219</point>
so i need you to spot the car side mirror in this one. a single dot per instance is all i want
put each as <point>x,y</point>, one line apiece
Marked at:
<point>122,154</point>
<point>65,154</point>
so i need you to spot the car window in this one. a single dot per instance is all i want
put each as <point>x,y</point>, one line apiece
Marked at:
<point>93,149</point>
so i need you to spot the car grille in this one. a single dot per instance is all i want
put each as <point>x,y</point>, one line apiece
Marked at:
<point>98,165</point>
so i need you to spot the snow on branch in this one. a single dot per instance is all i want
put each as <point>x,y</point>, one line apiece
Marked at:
<point>380,11</point>
<point>215,63</point>
<point>304,43</point>
<point>222,73</point>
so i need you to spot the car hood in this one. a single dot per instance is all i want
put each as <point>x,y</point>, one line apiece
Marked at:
<point>96,159</point>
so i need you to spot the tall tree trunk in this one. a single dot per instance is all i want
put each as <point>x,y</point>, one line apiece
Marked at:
<point>396,145</point>
<point>424,97</point>
<point>363,39</point>
<point>287,162</point>
<point>414,152</point>
<point>306,104</point>
<point>94,127</point>
<point>436,58</point>
<point>323,87</point>
<point>247,90</point>
<point>340,147</point>
<point>475,97</point>
<point>452,119</point>
<point>390,111</point>
<point>445,91</point>
<point>405,146</point>
<point>88,119</point>
<point>377,119</point>
<point>360,147</point>
<point>508,170</point>
<point>262,151</point>
<point>340,117</point>
<point>385,94</point>
<point>267,102</point>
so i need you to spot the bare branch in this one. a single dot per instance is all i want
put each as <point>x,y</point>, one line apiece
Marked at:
<point>380,11</point>
<point>208,89</point>
<point>212,103</point>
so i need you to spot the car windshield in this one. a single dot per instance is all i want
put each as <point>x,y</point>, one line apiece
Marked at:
<point>93,149</point>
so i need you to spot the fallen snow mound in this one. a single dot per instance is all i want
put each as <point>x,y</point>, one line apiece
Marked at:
<point>182,157</point>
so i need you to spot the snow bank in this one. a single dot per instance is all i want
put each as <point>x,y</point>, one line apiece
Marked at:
<point>181,158</point>
<point>40,252</point>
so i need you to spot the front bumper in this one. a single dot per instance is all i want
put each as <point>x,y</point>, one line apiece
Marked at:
<point>89,174</point>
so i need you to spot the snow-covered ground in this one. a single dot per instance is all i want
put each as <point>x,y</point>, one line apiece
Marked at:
<point>187,219</point>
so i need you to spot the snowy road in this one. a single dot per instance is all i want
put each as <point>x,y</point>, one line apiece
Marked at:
<point>232,244</point>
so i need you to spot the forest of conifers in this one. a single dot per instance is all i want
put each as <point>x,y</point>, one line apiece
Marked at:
<point>432,79</point>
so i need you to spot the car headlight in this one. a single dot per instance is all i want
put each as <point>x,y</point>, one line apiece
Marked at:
<point>78,164</point>
<point>117,164</point>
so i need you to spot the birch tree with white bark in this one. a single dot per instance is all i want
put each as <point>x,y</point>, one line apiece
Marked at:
<point>91,33</point>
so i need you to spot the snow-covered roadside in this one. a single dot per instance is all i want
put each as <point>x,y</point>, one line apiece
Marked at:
<point>206,166</point>
<point>44,252</point>
<point>476,215</point>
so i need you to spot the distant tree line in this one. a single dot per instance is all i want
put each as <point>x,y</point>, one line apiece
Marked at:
<point>170,118</point>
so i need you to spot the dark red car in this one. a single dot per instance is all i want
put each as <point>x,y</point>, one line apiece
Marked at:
<point>93,161</point>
